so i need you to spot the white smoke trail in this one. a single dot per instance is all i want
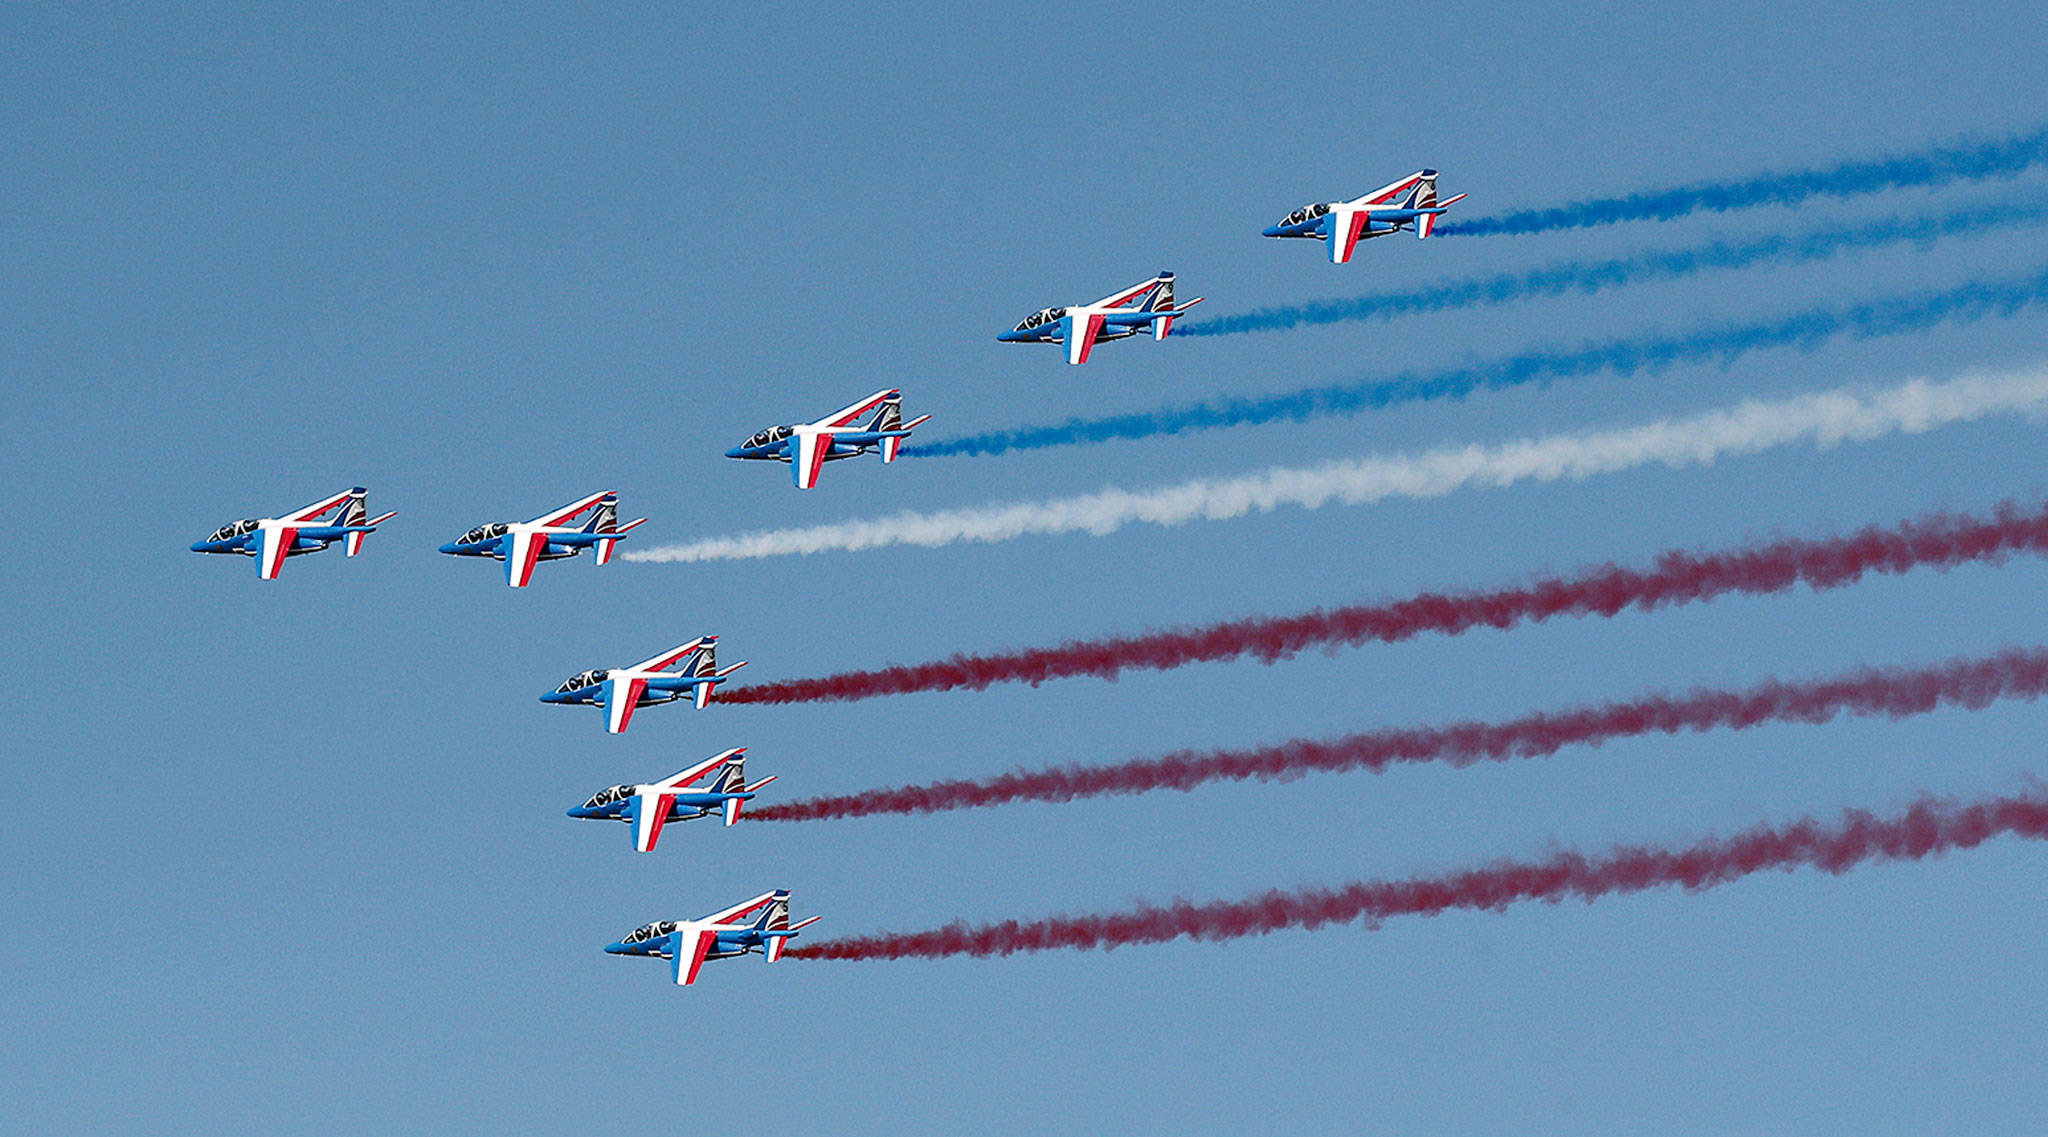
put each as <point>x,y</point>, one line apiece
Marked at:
<point>1825,419</point>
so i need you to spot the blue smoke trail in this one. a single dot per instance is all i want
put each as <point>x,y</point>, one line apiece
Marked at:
<point>1934,166</point>
<point>1896,315</point>
<point>1665,264</point>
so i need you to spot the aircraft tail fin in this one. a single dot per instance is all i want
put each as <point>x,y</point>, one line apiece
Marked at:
<point>356,512</point>
<point>1423,196</point>
<point>890,418</point>
<point>605,519</point>
<point>732,776</point>
<point>1161,297</point>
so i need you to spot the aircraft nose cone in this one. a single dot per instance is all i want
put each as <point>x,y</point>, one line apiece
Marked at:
<point>197,546</point>
<point>1270,231</point>
<point>616,947</point>
<point>449,548</point>
<point>551,697</point>
<point>734,452</point>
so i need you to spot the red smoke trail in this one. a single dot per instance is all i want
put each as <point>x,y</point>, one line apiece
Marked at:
<point>1928,828</point>
<point>1937,541</point>
<point>1971,683</point>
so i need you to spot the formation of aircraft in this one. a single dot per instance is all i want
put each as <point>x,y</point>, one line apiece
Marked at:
<point>623,690</point>
<point>1408,203</point>
<point>649,807</point>
<point>686,944</point>
<point>271,539</point>
<point>549,537</point>
<point>807,446</point>
<point>1114,317</point>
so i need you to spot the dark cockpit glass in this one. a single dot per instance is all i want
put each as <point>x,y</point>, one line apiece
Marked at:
<point>606,797</point>
<point>483,533</point>
<point>1040,318</point>
<point>587,679</point>
<point>771,435</point>
<point>234,529</point>
<point>1306,213</point>
<point>642,934</point>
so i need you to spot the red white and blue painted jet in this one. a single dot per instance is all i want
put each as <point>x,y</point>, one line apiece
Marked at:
<point>271,539</point>
<point>649,807</point>
<point>549,537</point>
<point>807,446</point>
<point>623,690</point>
<point>1408,203</point>
<point>686,944</point>
<point>1114,317</point>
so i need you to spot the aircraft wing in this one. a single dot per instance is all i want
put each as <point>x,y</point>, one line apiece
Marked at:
<point>277,545</point>
<point>522,548</point>
<point>562,515</point>
<point>1119,299</point>
<point>678,781</point>
<point>687,948</point>
<point>650,813</point>
<point>665,659</point>
<point>741,909</point>
<point>621,697</point>
<point>317,508</point>
<point>809,456</point>
<point>1385,194</point>
<point>846,415</point>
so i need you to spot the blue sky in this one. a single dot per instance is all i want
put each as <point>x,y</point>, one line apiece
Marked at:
<point>292,855</point>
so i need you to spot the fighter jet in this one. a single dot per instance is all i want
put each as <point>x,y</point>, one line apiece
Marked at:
<point>649,807</point>
<point>622,690</point>
<point>807,446</point>
<point>1113,317</point>
<point>549,537</point>
<point>271,539</point>
<point>1344,223</point>
<point>686,944</point>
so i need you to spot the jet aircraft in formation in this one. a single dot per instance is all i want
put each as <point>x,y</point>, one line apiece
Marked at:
<point>649,807</point>
<point>686,944</point>
<point>622,690</point>
<point>549,537</point>
<point>1114,317</point>
<point>807,446</point>
<point>271,539</point>
<point>1342,224</point>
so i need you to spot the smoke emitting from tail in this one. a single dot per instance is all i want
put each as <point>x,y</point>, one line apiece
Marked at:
<point>1929,828</point>
<point>1938,541</point>
<point>1663,264</point>
<point>1897,315</point>
<point>1823,419</point>
<point>1896,693</point>
<point>1934,166</point>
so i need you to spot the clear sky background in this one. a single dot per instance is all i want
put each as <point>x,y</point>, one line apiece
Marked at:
<point>292,856</point>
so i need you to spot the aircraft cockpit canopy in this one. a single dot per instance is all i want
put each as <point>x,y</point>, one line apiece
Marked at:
<point>1306,213</point>
<point>234,529</point>
<point>587,679</point>
<point>606,797</point>
<point>772,435</point>
<point>483,533</point>
<point>1041,318</point>
<point>651,931</point>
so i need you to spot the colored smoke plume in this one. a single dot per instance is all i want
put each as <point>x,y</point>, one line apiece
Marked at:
<point>1824,419</point>
<point>1929,828</point>
<point>1902,314</point>
<point>1929,167</point>
<point>1897,692</point>
<point>1587,277</point>
<point>1938,541</point>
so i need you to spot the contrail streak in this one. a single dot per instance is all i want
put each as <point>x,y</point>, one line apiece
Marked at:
<point>1939,541</point>
<point>1663,264</point>
<point>1823,419</point>
<point>1933,166</point>
<point>1930,827</point>
<point>1894,692</point>
<point>1896,315</point>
